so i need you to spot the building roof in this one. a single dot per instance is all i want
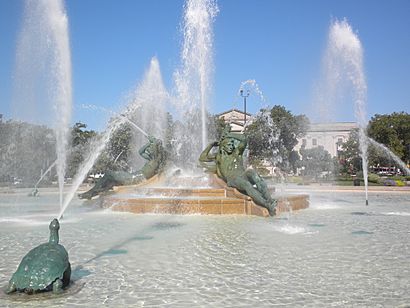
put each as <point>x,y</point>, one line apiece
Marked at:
<point>313,127</point>
<point>237,123</point>
<point>233,110</point>
<point>332,127</point>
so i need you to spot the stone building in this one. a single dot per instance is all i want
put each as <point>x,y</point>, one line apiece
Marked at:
<point>328,135</point>
<point>235,118</point>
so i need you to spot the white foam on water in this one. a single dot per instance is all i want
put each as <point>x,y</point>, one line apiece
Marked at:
<point>396,213</point>
<point>292,229</point>
<point>33,221</point>
<point>324,206</point>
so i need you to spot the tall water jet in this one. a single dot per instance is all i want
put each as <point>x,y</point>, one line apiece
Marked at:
<point>147,106</point>
<point>193,79</point>
<point>96,147</point>
<point>42,88</point>
<point>343,66</point>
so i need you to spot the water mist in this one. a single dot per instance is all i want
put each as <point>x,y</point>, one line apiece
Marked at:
<point>147,107</point>
<point>193,78</point>
<point>343,66</point>
<point>42,86</point>
<point>387,152</point>
<point>145,104</point>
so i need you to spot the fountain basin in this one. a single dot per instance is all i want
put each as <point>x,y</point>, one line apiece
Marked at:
<point>318,258</point>
<point>219,200</point>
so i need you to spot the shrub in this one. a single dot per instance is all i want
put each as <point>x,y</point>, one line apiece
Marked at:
<point>373,178</point>
<point>295,179</point>
<point>400,183</point>
<point>388,182</point>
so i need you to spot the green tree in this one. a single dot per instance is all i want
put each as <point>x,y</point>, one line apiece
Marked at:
<point>25,150</point>
<point>216,126</point>
<point>79,134</point>
<point>392,130</point>
<point>116,154</point>
<point>273,134</point>
<point>119,147</point>
<point>349,159</point>
<point>80,144</point>
<point>315,161</point>
<point>349,155</point>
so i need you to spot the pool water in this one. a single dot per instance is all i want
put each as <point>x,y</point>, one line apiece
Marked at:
<point>337,253</point>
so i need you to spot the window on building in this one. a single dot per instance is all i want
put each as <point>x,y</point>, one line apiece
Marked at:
<point>339,140</point>
<point>303,142</point>
<point>314,142</point>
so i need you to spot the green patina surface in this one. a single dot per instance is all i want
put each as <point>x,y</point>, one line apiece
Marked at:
<point>155,155</point>
<point>45,267</point>
<point>225,158</point>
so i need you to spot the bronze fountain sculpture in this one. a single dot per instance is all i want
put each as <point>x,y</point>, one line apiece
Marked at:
<point>47,268</point>
<point>153,152</point>
<point>228,164</point>
<point>44,268</point>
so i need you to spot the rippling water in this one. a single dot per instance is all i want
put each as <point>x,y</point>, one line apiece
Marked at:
<point>338,253</point>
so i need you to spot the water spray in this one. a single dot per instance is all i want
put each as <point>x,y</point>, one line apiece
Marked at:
<point>389,153</point>
<point>98,147</point>
<point>122,115</point>
<point>344,63</point>
<point>134,125</point>
<point>43,49</point>
<point>45,173</point>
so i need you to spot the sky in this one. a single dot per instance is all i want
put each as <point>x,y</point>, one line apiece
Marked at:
<point>277,43</point>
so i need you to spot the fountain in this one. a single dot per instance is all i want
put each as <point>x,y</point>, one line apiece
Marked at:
<point>43,74</point>
<point>150,91</point>
<point>43,82</point>
<point>252,86</point>
<point>343,64</point>
<point>152,151</point>
<point>45,267</point>
<point>319,259</point>
<point>146,106</point>
<point>193,78</point>
<point>120,258</point>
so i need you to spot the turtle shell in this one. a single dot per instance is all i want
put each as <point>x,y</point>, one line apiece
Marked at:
<point>40,267</point>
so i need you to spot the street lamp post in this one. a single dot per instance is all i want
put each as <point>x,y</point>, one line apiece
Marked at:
<point>244,106</point>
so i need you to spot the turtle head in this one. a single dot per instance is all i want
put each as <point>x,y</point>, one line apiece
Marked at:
<point>54,227</point>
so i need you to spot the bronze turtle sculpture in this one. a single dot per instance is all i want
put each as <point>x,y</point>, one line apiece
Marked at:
<point>44,268</point>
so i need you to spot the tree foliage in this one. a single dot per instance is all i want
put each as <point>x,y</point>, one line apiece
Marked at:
<point>26,150</point>
<point>116,154</point>
<point>349,158</point>
<point>273,134</point>
<point>392,130</point>
<point>349,155</point>
<point>216,127</point>
<point>80,143</point>
<point>315,161</point>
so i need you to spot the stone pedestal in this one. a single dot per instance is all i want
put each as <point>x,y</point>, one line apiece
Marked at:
<point>219,199</point>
